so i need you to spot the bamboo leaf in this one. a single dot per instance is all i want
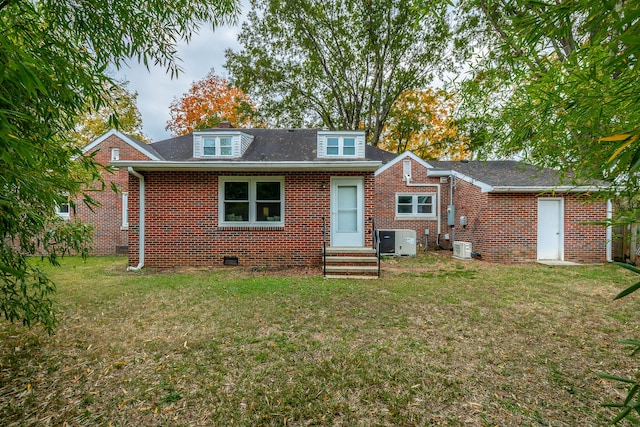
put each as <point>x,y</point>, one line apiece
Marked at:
<point>627,266</point>
<point>627,291</point>
<point>615,378</point>
<point>619,137</point>
<point>621,415</point>
<point>632,392</point>
<point>619,150</point>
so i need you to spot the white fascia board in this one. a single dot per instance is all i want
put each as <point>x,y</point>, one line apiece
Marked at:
<point>341,132</point>
<point>484,187</point>
<point>123,137</point>
<point>401,157</point>
<point>241,166</point>
<point>545,189</point>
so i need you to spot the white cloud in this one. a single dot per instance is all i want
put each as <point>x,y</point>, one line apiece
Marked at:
<point>156,90</point>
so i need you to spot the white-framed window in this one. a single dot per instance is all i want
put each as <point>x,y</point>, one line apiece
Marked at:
<point>125,211</point>
<point>416,205</point>
<point>341,146</point>
<point>251,201</point>
<point>63,210</point>
<point>115,154</point>
<point>217,146</point>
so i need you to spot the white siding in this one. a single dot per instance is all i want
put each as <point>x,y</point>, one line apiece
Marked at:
<point>322,146</point>
<point>197,146</point>
<point>245,141</point>
<point>360,143</point>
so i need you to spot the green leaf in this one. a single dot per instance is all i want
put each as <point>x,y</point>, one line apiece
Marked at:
<point>628,291</point>
<point>621,415</point>
<point>627,266</point>
<point>616,378</point>
<point>632,392</point>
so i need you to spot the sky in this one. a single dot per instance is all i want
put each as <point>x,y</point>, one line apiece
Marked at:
<point>155,87</point>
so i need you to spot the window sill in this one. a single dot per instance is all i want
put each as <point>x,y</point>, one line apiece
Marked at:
<point>124,228</point>
<point>415,218</point>
<point>251,227</point>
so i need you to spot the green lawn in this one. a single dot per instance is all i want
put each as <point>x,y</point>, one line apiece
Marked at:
<point>435,342</point>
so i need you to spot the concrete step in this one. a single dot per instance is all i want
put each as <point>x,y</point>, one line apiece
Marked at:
<point>343,251</point>
<point>351,259</point>
<point>346,269</point>
<point>353,263</point>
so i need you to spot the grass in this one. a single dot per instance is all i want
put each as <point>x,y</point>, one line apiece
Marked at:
<point>436,342</point>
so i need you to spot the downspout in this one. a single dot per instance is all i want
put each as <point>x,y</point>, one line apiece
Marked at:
<point>609,231</point>
<point>140,222</point>
<point>452,186</point>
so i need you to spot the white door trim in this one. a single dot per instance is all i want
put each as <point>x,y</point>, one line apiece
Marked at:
<point>342,238</point>
<point>550,230</point>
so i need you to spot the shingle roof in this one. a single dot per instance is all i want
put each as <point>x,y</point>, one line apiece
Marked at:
<point>499,173</point>
<point>269,145</point>
<point>178,148</point>
<point>143,145</point>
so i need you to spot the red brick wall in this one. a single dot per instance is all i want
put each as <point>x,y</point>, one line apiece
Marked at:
<point>584,242</point>
<point>390,182</point>
<point>501,227</point>
<point>107,218</point>
<point>181,228</point>
<point>471,202</point>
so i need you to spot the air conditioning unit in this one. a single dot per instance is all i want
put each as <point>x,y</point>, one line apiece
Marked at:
<point>398,242</point>
<point>462,250</point>
<point>406,242</point>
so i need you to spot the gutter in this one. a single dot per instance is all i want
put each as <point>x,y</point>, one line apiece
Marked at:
<point>251,166</point>
<point>141,222</point>
<point>541,189</point>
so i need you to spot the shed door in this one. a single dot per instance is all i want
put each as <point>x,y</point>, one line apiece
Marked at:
<point>550,229</point>
<point>347,212</point>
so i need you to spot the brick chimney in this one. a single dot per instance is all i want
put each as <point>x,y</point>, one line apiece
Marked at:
<point>225,124</point>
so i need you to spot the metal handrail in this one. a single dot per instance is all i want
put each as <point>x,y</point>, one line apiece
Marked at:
<point>375,234</point>
<point>324,246</point>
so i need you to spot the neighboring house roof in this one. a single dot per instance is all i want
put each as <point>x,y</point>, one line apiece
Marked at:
<point>145,149</point>
<point>275,149</point>
<point>500,176</point>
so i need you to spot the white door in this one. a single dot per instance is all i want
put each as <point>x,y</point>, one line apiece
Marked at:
<point>347,212</point>
<point>550,229</point>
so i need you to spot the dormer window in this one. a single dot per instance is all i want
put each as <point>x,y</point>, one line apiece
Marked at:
<point>226,143</point>
<point>341,144</point>
<point>217,146</point>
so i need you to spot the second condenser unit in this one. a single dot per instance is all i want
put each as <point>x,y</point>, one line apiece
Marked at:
<point>397,242</point>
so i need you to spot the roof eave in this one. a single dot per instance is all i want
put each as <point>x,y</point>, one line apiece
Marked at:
<point>252,166</point>
<point>546,189</point>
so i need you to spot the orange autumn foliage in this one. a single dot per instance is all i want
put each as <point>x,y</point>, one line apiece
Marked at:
<point>207,103</point>
<point>421,121</point>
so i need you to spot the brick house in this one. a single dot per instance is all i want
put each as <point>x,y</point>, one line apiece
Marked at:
<point>255,197</point>
<point>110,220</point>
<point>509,212</point>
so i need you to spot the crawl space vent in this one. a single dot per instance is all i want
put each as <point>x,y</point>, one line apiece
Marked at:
<point>230,260</point>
